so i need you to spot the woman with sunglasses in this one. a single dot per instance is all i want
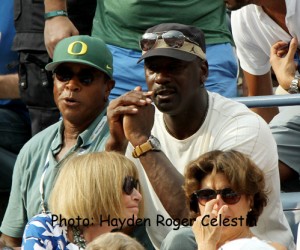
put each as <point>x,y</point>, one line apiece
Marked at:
<point>226,193</point>
<point>92,195</point>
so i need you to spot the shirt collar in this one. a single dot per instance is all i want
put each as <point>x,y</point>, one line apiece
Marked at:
<point>84,138</point>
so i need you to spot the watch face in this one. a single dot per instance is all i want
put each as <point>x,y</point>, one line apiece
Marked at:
<point>154,142</point>
<point>294,87</point>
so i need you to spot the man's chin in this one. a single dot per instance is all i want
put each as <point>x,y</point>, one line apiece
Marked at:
<point>235,6</point>
<point>164,107</point>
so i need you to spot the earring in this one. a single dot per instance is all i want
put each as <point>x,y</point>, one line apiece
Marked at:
<point>250,210</point>
<point>78,238</point>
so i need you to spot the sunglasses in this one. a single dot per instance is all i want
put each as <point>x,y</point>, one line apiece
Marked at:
<point>202,196</point>
<point>65,74</point>
<point>129,184</point>
<point>173,38</point>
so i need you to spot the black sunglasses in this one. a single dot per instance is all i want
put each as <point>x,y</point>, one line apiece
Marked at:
<point>173,38</point>
<point>65,74</point>
<point>202,196</point>
<point>129,184</point>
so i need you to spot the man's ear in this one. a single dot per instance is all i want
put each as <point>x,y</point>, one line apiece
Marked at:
<point>204,70</point>
<point>110,84</point>
<point>203,65</point>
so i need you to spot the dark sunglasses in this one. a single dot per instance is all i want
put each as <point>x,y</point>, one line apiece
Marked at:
<point>129,184</point>
<point>202,196</point>
<point>173,38</point>
<point>65,74</point>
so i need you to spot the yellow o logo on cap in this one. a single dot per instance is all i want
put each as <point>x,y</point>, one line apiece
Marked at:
<point>81,52</point>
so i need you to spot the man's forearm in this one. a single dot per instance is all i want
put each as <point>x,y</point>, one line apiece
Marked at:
<point>9,86</point>
<point>261,85</point>
<point>7,241</point>
<point>167,183</point>
<point>52,5</point>
<point>112,145</point>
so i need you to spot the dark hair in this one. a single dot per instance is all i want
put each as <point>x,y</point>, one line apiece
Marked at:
<point>241,172</point>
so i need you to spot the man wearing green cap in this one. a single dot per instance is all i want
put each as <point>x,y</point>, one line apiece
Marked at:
<point>82,68</point>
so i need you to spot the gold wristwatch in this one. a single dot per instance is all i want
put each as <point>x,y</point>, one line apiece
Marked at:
<point>151,144</point>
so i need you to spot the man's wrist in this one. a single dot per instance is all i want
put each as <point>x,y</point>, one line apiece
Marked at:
<point>55,13</point>
<point>294,85</point>
<point>138,140</point>
<point>114,145</point>
<point>152,144</point>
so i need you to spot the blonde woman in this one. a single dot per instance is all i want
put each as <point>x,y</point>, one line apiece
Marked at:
<point>94,193</point>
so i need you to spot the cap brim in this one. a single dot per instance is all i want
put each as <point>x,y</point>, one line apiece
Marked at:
<point>52,66</point>
<point>169,52</point>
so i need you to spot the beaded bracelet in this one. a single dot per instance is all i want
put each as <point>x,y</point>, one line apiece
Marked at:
<point>51,14</point>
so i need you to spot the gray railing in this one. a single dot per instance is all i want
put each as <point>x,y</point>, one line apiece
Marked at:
<point>269,100</point>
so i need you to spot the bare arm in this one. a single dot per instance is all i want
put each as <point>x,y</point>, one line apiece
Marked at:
<point>282,62</point>
<point>9,241</point>
<point>57,28</point>
<point>131,118</point>
<point>261,85</point>
<point>166,181</point>
<point>9,86</point>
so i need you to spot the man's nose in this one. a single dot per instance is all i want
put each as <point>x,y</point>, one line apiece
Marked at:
<point>162,77</point>
<point>73,84</point>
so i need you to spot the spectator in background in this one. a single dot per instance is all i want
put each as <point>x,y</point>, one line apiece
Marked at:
<point>121,23</point>
<point>36,84</point>
<point>14,118</point>
<point>286,125</point>
<point>256,26</point>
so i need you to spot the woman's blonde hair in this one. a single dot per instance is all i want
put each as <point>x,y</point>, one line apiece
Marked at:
<point>90,186</point>
<point>116,241</point>
<point>241,172</point>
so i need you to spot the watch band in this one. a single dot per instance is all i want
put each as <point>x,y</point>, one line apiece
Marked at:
<point>51,14</point>
<point>151,144</point>
<point>141,149</point>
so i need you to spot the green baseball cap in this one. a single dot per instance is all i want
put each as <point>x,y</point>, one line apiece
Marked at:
<point>87,50</point>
